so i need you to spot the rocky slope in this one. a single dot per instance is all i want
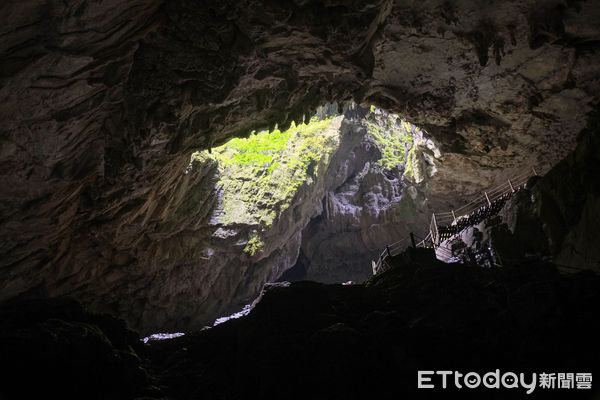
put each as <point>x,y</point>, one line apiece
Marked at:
<point>102,104</point>
<point>254,231</point>
<point>369,204</point>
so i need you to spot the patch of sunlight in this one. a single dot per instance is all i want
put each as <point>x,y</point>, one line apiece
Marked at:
<point>393,135</point>
<point>249,307</point>
<point>259,175</point>
<point>161,336</point>
<point>398,141</point>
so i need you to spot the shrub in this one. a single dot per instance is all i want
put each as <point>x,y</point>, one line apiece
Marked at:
<point>393,135</point>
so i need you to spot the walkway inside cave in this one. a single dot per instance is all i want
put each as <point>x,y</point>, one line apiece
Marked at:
<point>446,225</point>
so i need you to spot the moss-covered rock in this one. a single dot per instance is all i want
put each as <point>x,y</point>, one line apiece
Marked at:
<point>260,175</point>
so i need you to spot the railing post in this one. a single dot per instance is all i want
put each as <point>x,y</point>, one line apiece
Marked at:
<point>487,198</point>
<point>453,216</point>
<point>412,240</point>
<point>436,233</point>
<point>388,251</point>
<point>511,186</point>
<point>432,229</point>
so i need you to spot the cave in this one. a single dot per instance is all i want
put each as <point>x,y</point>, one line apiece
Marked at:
<point>426,208</point>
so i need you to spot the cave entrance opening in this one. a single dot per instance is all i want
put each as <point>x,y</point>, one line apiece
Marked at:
<point>374,197</point>
<point>316,201</point>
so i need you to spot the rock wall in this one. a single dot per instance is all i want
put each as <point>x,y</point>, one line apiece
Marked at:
<point>102,104</point>
<point>367,208</point>
<point>553,219</point>
<point>250,241</point>
<point>567,204</point>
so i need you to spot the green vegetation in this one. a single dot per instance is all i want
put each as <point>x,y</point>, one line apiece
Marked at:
<point>393,136</point>
<point>253,246</point>
<point>261,174</point>
<point>411,167</point>
<point>259,150</point>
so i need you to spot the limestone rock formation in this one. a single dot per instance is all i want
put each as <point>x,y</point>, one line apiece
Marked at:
<point>103,102</point>
<point>554,218</point>
<point>366,207</point>
<point>253,231</point>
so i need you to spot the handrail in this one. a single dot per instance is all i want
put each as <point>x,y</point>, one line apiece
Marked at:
<point>515,183</point>
<point>432,239</point>
<point>523,176</point>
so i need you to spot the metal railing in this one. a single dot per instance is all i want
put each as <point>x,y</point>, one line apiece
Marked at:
<point>486,198</point>
<point>446,224</point>
<point>390,251</point>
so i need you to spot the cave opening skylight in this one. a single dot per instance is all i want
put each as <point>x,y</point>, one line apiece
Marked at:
<point>260,175</point>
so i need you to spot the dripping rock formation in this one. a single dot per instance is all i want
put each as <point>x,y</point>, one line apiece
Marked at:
<point>103,102</point>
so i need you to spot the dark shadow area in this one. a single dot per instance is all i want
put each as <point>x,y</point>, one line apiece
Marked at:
<point>319,341</point>
<point>298,271</point>
<point>337,342</point>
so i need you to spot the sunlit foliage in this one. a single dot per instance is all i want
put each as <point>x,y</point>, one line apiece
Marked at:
<point>261,174</point>
<point>394,137</point>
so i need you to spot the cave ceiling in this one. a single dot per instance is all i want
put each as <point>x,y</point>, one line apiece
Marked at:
<point>103,102</point>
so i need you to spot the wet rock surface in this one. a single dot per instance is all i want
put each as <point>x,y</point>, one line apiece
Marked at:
<point>103,102</point>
